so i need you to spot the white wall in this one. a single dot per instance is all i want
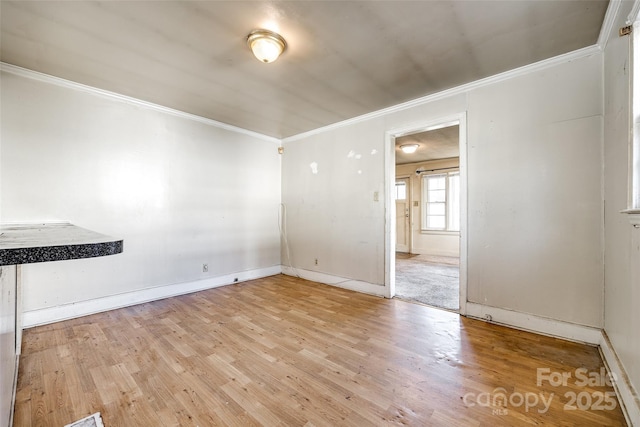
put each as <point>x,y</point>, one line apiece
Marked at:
<point>622,241</point>
<point>535,202</point>
<point>179,192</point>
<point>427,242</point>
<point>331,213</point>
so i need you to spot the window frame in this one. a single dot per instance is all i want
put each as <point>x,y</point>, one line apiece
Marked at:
<point>424,177</point>
<point>406,190</point>
<point>633,200</point>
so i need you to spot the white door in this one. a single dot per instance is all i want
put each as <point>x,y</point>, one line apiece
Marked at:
<point>403,228</point>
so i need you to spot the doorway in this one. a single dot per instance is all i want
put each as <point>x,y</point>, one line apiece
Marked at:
<point>426,258</point>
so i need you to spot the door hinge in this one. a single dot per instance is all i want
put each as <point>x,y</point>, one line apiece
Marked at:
<point>625,31</point>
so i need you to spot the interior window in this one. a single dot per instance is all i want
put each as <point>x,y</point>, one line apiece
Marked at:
<point>401,190</point>
<point>441,202</point>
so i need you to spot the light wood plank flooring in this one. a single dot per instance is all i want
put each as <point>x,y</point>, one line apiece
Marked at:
<point>282,351</point>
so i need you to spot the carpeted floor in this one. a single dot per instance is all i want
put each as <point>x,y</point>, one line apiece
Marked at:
<point>431,280</point>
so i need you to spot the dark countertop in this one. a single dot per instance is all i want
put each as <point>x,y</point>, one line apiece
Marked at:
<point>29,243</point>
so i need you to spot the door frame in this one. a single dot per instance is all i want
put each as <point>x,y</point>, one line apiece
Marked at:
<point>389,201</point>
<point>409,206</point>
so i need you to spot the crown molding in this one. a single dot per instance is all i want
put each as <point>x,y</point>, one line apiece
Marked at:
<point>516,72</point>
<point>608,23</point>
<point>46,78</point>
<point>507,75</point>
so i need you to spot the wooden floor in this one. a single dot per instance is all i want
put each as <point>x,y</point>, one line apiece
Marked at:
<point>283,351</point>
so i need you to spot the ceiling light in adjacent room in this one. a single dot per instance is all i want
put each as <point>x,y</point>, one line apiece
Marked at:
<point>266,45</point>
<point>409,148</point>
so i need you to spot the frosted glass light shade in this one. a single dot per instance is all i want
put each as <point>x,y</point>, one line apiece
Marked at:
<point>409,148</point>
<point>266,45</point>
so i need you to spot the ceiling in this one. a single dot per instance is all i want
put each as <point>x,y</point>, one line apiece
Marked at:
<point>434,144</point>
<point>344,58</point>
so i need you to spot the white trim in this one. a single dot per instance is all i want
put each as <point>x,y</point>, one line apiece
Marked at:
<point>516,72</point>
<point>409,202</point>
<point>437,252</point>
<point>439,232</point>
<point>607,24</point>
<point>83,308</point>
<point>633,201</point>
<point>340,282</point>
<point>14,392</point>
<point>627,395</point>
<point>464,209</point>
<point>423,178</point>
<point>19,309</point>
<point>633,215</point>
<point>625,391</point>
<point>390,213</point>
<point>536,324</point>
<point>603,210</point>
<point>459,119</point>
<point>46,78</point>
<point>633,15</point>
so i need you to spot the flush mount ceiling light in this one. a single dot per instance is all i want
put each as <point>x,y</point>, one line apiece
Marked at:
<point>266,45</point>
<point>409,148</point>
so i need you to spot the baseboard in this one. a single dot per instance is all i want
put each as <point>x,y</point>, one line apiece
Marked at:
<point>426,251</point>
<point>83,308</point>
<point>341,282</point>
<point>537,324</point>
<point>625,391</point>
<point>627,395</point>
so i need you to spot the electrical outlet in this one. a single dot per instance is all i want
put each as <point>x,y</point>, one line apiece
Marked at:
<point>375,196</point>
<point>205,268</point>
